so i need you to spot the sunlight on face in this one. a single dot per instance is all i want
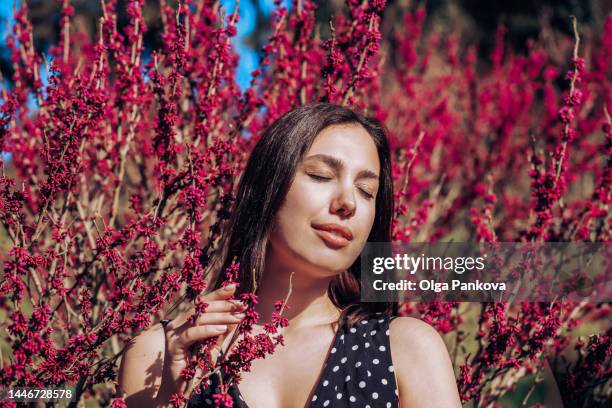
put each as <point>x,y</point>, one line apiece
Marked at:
<point>329,210</point>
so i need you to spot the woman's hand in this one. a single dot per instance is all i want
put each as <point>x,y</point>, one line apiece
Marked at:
<point>219,319</point>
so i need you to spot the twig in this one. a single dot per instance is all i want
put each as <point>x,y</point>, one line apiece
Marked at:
<point>219,66</point>
<point>409,161</point>
<point>349,91</point>
<point>559,164</point>
<point>124,150</point>
<point>536,380</point>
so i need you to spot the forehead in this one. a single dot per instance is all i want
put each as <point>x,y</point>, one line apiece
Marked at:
<point>350,143</point>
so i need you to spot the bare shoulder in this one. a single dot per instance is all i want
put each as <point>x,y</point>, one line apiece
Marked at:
<point>422,365</point>
<point>411,339</point>
<point>141,367</point>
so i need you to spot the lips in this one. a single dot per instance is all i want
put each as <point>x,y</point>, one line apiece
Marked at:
<point>334,235</point>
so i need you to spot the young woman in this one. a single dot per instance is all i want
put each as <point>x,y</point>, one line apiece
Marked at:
<point>316,188</point>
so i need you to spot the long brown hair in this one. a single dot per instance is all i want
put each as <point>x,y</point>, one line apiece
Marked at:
<point>265,182</point>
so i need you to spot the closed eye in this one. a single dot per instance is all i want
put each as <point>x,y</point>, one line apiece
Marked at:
<point>366,194</point>
<point>319,178</point>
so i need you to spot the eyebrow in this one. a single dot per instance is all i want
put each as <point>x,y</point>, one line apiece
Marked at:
<point>338,164</point>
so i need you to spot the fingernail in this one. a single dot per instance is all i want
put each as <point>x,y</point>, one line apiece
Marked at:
<point>220,329</point>
<point>239,315</point>
<point>230,287</point>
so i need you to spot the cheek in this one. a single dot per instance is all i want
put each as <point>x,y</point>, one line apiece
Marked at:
<point>367,221</point>
<point>300,206</point>
<point>306,199</point>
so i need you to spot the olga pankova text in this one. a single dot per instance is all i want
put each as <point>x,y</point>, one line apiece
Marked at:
<point>430,284</point>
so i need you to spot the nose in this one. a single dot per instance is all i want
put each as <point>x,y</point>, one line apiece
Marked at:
<point>343,203</point>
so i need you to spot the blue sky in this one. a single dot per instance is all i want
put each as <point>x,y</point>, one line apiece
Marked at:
<point>249,59</point>
<point>6,9</point>
<point>5,18</point>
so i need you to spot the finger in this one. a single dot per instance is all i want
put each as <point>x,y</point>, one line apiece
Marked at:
<point>225,306</point>
<point>199,373</point>
<point>198,333</point>
<point>218,347</point>
<point>220,294</point>
<point>217,306</point>
<point>220,318</point>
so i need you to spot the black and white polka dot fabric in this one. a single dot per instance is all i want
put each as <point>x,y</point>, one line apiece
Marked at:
<point>358,371</point>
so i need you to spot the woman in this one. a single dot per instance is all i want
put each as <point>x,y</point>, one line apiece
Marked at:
<point>316,188</point>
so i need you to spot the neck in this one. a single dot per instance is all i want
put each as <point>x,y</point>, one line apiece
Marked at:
<point>309,304</point>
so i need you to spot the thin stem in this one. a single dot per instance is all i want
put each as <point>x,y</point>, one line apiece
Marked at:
<point>559,164</point>
<point>349,91</point>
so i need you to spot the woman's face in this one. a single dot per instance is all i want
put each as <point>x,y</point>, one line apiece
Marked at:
<point>329,210</point>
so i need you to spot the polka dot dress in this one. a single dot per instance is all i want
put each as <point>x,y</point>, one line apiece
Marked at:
<point>358,371</point>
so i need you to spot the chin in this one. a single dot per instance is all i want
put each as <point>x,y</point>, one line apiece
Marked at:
<point>317,259</point>
<point>330,265</point>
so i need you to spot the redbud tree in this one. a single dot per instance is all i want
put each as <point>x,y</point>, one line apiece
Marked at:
<point>123,166</point>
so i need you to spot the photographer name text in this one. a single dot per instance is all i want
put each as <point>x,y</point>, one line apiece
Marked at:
<point>432,285</point>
